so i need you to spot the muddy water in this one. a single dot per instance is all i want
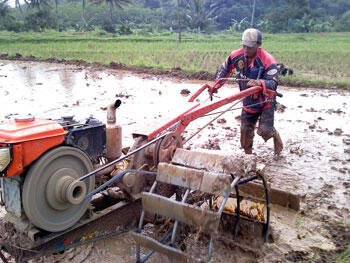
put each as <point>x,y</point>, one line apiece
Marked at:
<point>314,125</point>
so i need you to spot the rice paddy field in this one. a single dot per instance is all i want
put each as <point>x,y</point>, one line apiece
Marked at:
<point>316,58</point>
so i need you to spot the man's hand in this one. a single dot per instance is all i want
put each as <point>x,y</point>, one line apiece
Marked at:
<point>253,82</point>
<point>213,89</point>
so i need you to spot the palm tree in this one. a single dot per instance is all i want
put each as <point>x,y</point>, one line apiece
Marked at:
<point>4,8</point>
<point>45,4</point>
<point>112,3</point>
<point>20,8</point>
<point>197,16</point>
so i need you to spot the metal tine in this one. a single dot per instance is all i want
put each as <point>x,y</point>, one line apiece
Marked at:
<point>138,249</point>
<point>176,223</point>
<point>227,194</point>
<point>163,238</point>
<point>143,212</point>
<point>210,248</point>
<point>221,209</point>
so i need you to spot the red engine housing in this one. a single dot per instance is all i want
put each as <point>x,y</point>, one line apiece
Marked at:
<point>29,138</point>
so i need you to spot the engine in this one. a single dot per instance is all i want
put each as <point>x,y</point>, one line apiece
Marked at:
<point>39,158</point>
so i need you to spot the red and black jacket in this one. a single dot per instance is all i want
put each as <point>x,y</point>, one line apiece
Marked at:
<point>262,67</point>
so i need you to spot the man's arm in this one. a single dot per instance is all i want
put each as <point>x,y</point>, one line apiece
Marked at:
<point>225,69</point>
<point>270,77</point>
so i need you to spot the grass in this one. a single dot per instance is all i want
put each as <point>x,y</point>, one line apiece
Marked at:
<point>316,59</point>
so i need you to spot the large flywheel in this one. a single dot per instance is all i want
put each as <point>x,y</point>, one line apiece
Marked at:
<point>48,199</point>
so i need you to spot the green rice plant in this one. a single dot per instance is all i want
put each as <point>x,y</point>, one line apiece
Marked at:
<point>316,59</point>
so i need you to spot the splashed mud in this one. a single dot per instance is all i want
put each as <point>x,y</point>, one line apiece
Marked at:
<point>314,125</point>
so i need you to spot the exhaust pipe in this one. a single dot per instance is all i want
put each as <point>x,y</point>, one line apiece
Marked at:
<point>113,133</point>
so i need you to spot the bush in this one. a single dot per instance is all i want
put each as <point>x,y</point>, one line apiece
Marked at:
<point>11,24</point>
<point>106,26</point>
<point>125,30</point>
<point>343,24</point>
<point>39,20</point>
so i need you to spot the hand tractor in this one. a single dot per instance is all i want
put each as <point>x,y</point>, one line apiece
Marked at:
<point>50,168</point>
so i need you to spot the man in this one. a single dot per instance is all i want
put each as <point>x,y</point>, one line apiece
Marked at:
<point>257,68</point>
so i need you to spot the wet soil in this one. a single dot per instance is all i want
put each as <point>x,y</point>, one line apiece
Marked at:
<point>174,72</point>
<point>314,125</point>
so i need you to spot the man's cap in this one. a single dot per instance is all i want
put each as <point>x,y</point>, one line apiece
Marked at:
<point>251,37</point>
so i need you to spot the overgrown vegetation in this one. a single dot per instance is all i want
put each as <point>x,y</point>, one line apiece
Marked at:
<point>194,15</point>
<point>145,33</point>
<point>319,60</point>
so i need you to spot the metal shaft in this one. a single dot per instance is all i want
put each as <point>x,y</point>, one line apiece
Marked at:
<point>119,159</point>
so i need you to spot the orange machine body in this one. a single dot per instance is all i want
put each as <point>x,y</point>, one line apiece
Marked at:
<point>29,139</point>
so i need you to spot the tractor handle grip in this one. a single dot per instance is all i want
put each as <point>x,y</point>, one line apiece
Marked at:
<point>278,94</point>
<point>272,93</point>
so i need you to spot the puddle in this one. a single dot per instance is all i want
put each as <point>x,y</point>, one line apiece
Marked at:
<point>314,126</point>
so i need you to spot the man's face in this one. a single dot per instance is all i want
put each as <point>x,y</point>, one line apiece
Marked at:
<point>250,51</point>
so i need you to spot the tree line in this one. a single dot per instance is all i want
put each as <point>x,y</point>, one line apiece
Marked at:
<point>150,16</point>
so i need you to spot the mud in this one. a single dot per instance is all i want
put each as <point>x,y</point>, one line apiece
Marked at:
<point>174,72</point>
<point>314,125</point>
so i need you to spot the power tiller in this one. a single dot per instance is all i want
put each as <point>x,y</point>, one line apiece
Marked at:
<point>49,169</point>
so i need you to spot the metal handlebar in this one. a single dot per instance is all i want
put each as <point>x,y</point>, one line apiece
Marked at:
<point>219,83</point>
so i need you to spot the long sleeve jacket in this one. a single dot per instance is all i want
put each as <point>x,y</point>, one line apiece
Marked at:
<point>262,67</point>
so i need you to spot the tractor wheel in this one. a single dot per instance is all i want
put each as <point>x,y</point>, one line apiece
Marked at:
<point>44,197</point>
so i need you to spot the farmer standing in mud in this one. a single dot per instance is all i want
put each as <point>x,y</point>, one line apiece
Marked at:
<point>255,67</point>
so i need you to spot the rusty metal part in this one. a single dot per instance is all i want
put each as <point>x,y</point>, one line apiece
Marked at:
<point>113,169</point>
<point>229,163</point>
<point>50,199</point>
<point>105,171</point>
<point>134,183</point>
<point>165,148</point>
<point>164,151</point>
<point>114,141</point>
<point>192,179</point>
<point>153,244</point>
<point>225,164</point>
<point>113,132</point>
<point>111,116</point>
<point>117,178</point>
<point>208,182</point>
<point>119,167</point>
<point>276,196</point>
<point>207,220</point>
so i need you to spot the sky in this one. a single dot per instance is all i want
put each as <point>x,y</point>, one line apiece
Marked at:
<point>12,2</point>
